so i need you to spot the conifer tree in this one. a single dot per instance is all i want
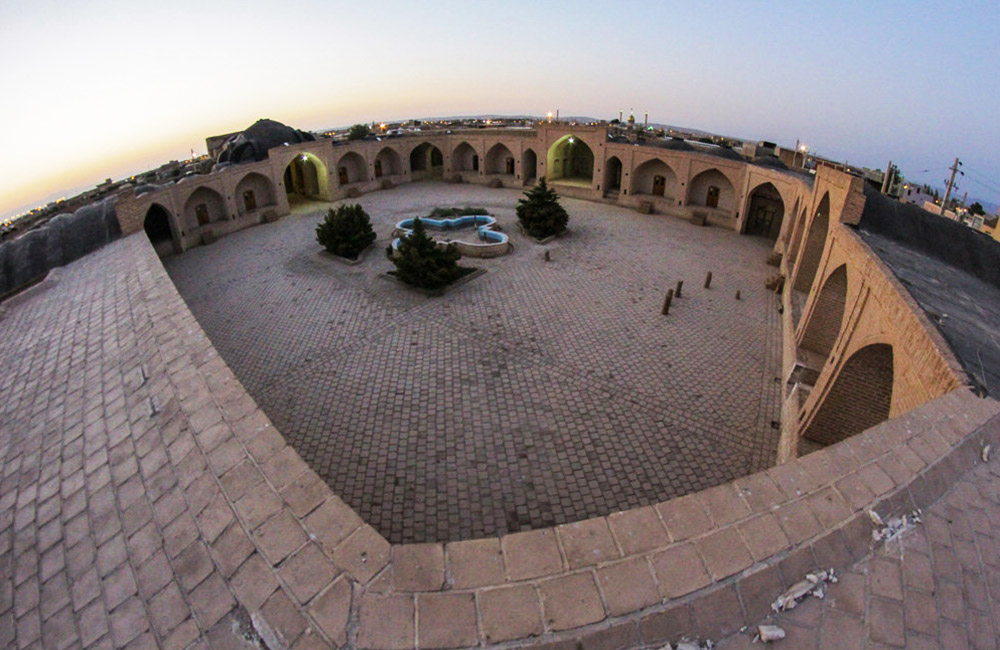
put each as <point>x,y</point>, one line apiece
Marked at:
<point>540,212</point>
<point>421,263</point>
<point>345,231</point>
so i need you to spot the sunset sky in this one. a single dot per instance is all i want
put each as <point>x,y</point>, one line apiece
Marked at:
<point>106,88</point>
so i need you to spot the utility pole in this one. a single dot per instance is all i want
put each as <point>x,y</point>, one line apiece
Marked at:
<point>951,182</point>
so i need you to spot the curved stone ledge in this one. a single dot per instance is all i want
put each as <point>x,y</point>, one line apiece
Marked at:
<point>207,500</point>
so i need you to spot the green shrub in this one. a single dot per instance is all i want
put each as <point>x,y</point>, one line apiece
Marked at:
<point>421,263</point>
<point>345,231</point>
<point>358,131</point>
<point>540,213</point>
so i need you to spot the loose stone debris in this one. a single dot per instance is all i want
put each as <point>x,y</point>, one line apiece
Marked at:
<point>768,633</point>
<point>814,584</point>
<point>893,528</point>
<point>986,453</point>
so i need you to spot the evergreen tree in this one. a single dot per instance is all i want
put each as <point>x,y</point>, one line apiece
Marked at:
<point>345,231</point>
<point>540,212</point>
<point>419,261</point>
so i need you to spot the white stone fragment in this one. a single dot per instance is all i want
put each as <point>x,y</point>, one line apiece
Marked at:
<point>876,519</point>
<point>768,633</point>
<point>986,453</point>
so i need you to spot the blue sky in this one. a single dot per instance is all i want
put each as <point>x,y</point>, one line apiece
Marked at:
<point>107,88</point>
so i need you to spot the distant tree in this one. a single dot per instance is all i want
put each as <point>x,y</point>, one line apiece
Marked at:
<point>345,231</point>
<point>977,208</point>
<point>358,131</point>
<point>421,263</point>
<point>616,121</point>
<point>540,212</point>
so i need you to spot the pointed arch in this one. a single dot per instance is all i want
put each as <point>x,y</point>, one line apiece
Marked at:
<point>306,176</point>
<point>464,158</point>
<point>499,160</point>
<point>351,168</point>
<point>203,206</point>
<point>529,166</point>
<point>815,243</point>
<point>253,192</point>
<point>860,397</point>
<point>387,163</point>
<point>765,212</point>
<point>712,189</point>
<point>826,318</point>
<point>159,227</point>
<point>612,175</point>
<point>569,159</point>
<point>426,161</point>
<point>655,178</point>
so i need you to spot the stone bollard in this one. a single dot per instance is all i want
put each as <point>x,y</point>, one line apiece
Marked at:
<point>548,258</point>
<point>680,284</point>
<point>708,280</point>
<point>667,301</point>
<point>737,294</point>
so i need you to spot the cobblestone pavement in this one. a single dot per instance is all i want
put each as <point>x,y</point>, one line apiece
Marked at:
<point>539,393</point>
<point>935,586</point>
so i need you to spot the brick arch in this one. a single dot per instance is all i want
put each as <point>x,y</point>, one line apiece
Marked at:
<point>529,165</point>
<point>214,208</point>
<point>159,225</point>
<point>859,398</point>
<point>351,168</point>
<point>465,158</point>
<point>496,159</point>
<point>823,327</point>
<point>388,163</point>
<point>426,159</point>
<point>815,242</point>
<point>797,233</point>
<point>697,192</point>
<point>644,175</point>
<point>764,211</point>
<point>261,191</point>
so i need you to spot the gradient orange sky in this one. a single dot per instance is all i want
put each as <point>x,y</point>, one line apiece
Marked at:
<point>110,88</point>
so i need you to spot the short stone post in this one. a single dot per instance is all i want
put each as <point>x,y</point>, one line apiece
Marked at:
<point>547,256</point>
<point>737,294</point>
<point>708,280</point>
<point>680,284</point>
<point>667,301</point>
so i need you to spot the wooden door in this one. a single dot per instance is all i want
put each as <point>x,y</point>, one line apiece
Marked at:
<point>712,199</point>
<point>659,184</point>
<point>249,201</point>
<point>342,175</point>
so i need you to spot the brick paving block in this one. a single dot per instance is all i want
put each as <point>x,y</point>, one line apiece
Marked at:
<point>918,572</point>
<point>59,631</point>
<point>386,623</point>
<point>509,613</point>
<point>258,505</point>
<point>669,625</point>
<point>724,553</point>
<point>93,621</point>
<point>829,507</point>
<point>627,586</point>
<point>981,632</point>
<point>885,618</point>
<point>307,572</point>
<point>475,563</point>
<point>284,467</point>
<point>718,613</point>
<point>842,631</point>
<point>920,613</point>
<point>684,517</point>
<point>119,585</point>
<point>621,636</point>
<point>144,543</point>
<point>759,492</point>
<point>680,571</point>
<point>571,601</point>
<point>886,578</point>
<point>796,565</point>
<point>154,574</point>
<point>952,635</point>
<point>128,621</point>
<point>215,518</point>
<point>240,479</point>
<point>638,530</point>
<point>758,590</point>
<point>305,493</point>
<point>855,491</point>
<point>446,620</point>
<point>418,567</point>
<point>331,610</point>
<point>332,522</point>
<point>531,554</point>
<point>192,566</point>
<point>950,600</point>
<point>363,554</point>
<point>278,537</point>
<point>179,534</point>
<point>254,582</point>
<point>724,504</point>
<point>282,619</point>
<point>211,600</point>
<point>167,610</point>
<point>763,536</point>
<point>84,589</point>
<point>797,521</point>
<point>587,543</point>
<point>183,635</point>
<point>231,548</point>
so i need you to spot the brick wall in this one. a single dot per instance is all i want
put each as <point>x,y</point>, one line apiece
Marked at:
<point>828,315</point>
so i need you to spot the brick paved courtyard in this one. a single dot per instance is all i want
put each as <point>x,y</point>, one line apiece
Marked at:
<point>539,393</point>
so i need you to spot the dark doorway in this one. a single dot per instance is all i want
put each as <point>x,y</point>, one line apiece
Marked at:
<point>342,175</point>
<point>201,212</point>
<point>659,184</point>
<point>249,201</point>
<point>712,197</point>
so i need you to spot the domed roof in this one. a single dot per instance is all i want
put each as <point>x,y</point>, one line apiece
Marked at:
<point>252,144</point>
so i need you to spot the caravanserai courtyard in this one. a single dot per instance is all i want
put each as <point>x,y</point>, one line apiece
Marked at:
<point>540,393</point>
